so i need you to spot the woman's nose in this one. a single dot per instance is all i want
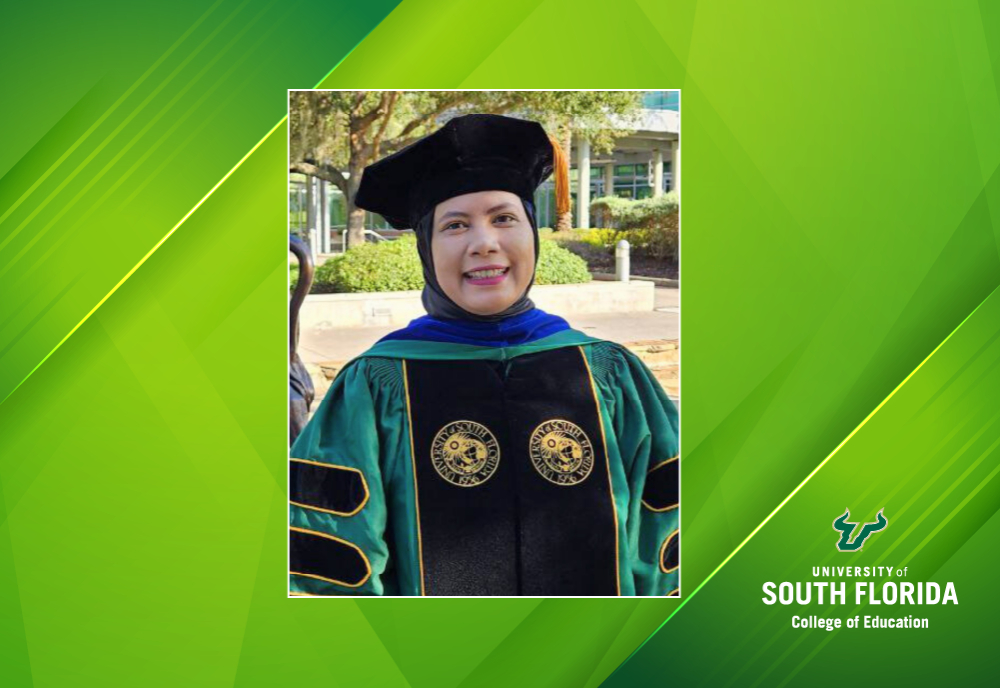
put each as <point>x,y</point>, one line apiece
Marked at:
<point>484,239</point>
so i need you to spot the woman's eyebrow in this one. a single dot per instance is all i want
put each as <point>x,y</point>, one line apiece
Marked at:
<point>503,206</point>
<point>453,213</point>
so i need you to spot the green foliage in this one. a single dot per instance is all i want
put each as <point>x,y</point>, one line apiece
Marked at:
<point>383,266</point>
<point>648,213</point>
<point>597,246</point>
<point>655,242</point>
<point>336,131</point>
<point>293,275</point>
<point>608,211</point>
<point>650,225</point>
<point>659,243</point>
<point>587,244</point>
<point>557,265</point>
<point>601,238</point>
<point>395,266</point>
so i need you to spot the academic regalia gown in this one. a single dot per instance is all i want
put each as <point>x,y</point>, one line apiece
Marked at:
<point>535,465</point>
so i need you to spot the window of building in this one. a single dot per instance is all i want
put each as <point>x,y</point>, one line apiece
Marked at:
<point>298,214</point>
<point>632,181</point>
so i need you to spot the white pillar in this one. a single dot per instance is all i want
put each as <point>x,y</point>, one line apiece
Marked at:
<point>310,201</point>
<point>609,179</point>
<point>311,215</point>
<point>675,166</point>
<point>324,216</point>
<point>327,231</point>
<point>622,261</point>
<point>583,184</point>
<point>657,173</point>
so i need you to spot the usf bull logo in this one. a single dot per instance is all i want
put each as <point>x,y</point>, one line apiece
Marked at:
<point>845,528</point>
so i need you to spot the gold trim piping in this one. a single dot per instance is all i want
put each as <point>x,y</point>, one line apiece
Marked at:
<point>368,565</point>
<point>673,593</point>
<point>659,511</point>
<point>657,466</point>
<point>607,462</point>
<point>416,491</point>
<point>666,541</point>
<point>364,484</point>
<point>666,508</point>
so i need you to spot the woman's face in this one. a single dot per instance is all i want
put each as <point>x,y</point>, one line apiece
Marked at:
<point>483,249</point>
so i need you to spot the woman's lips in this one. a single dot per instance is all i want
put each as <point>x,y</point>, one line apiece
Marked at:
<point>487,275</point>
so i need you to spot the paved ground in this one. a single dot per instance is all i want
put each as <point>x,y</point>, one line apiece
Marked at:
<point>661,323</point>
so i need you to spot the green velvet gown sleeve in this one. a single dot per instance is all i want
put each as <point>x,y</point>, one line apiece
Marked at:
<point>361,424</point>
<point>644,430</point>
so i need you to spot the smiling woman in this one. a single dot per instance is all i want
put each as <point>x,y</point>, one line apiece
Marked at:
<point>487,448</point>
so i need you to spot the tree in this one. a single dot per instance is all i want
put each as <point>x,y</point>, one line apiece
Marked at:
<point>336,134</point>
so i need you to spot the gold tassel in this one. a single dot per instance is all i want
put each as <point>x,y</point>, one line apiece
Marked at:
<point>560,170</point>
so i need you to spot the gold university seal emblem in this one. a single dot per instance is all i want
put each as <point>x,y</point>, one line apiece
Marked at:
<point>561,452</point>
<point>465,453</point>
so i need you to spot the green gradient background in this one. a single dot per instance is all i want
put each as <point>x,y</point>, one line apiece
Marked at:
<point>839,186</point>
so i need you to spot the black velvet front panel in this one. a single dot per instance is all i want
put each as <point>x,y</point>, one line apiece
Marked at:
<point>568,529</point>
<point>468,532</point>
<point>541,521</point>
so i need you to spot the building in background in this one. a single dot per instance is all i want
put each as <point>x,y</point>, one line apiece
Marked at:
<point>643,165</point>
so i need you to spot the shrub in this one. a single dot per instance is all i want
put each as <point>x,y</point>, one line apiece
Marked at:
<point>382,266</point>
<point>609,210</point>
<point>597,246</point>
<point>648,213</point>
<point>649,225</point>
<point>580,243</point>
<point>658,242</point>
<point>395,266</point>
<point>601,238</point>
<point>557,265</point>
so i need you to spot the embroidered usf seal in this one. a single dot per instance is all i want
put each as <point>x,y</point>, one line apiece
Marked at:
<point>561,452</point>
<point>465,453</point>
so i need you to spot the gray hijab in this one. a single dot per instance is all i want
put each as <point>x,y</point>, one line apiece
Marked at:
<point>437,303</point>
